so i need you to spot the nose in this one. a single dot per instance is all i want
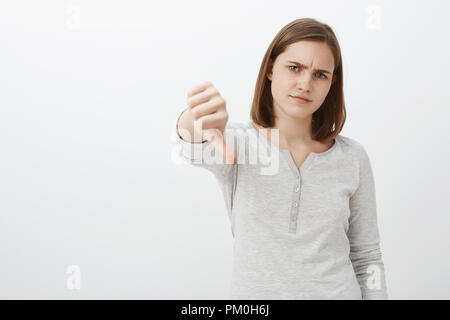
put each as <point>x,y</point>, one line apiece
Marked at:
<point>304,81</point>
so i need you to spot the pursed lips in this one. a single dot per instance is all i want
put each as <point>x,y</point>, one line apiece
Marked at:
<point>300,97</point>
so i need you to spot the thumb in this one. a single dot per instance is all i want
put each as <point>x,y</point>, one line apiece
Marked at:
<point>216,138</point>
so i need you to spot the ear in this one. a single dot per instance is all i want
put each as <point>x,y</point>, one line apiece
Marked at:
<point>269,72</point>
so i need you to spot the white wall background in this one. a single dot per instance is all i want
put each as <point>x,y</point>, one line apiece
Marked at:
<point>89,95</point>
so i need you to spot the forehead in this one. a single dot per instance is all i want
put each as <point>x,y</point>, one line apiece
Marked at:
<point>310,53</point>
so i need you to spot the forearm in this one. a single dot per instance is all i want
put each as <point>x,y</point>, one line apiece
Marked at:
<point>369,269</point>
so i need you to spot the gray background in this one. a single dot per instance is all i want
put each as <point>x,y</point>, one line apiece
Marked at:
<point>89,95</point>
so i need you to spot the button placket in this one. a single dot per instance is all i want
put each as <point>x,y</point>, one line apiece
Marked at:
<point>295,206</point>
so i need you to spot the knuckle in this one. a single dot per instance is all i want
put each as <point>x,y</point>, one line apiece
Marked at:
<point>222,103</point>
<point>221,114</point>
<point>214,91</point>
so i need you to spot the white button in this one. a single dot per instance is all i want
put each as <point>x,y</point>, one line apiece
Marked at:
<point>295,204</point>
<point>296,189</point>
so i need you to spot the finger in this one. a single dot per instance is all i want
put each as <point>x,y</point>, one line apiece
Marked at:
<point>207,110</point>
<point>198,88</point>
<point>198,99</point>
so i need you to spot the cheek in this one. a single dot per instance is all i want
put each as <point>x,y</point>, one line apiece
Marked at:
<point>277,87</point>
<point>322,91</point>
<point>280,85</point>
<point>320,95</point>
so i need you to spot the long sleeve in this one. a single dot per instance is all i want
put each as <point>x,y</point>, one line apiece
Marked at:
<point>363,235</point>
<point>204,155</point>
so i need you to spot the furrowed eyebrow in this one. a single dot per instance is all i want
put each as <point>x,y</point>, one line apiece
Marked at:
<point>302,65</point>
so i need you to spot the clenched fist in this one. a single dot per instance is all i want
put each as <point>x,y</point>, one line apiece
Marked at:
<point>210,115</point>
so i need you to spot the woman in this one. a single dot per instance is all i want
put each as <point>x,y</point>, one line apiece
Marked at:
<point>309,229</point>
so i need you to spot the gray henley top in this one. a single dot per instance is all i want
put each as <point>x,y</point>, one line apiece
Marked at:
<point>299,233</point>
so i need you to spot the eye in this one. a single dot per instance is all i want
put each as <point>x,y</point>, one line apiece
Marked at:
<point>321,75</point>
<point>324,76</point>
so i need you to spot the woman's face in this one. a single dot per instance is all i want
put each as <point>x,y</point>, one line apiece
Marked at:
<point>290,79</point>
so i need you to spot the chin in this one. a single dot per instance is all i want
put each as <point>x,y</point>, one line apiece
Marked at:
<point>298,112</point>
<point>294,110</point>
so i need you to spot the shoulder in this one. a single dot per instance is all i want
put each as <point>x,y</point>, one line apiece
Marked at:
<point>352,147</point>
<point>357,152</point>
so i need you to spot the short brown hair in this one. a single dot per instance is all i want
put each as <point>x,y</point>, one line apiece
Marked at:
<point>329,119</point>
